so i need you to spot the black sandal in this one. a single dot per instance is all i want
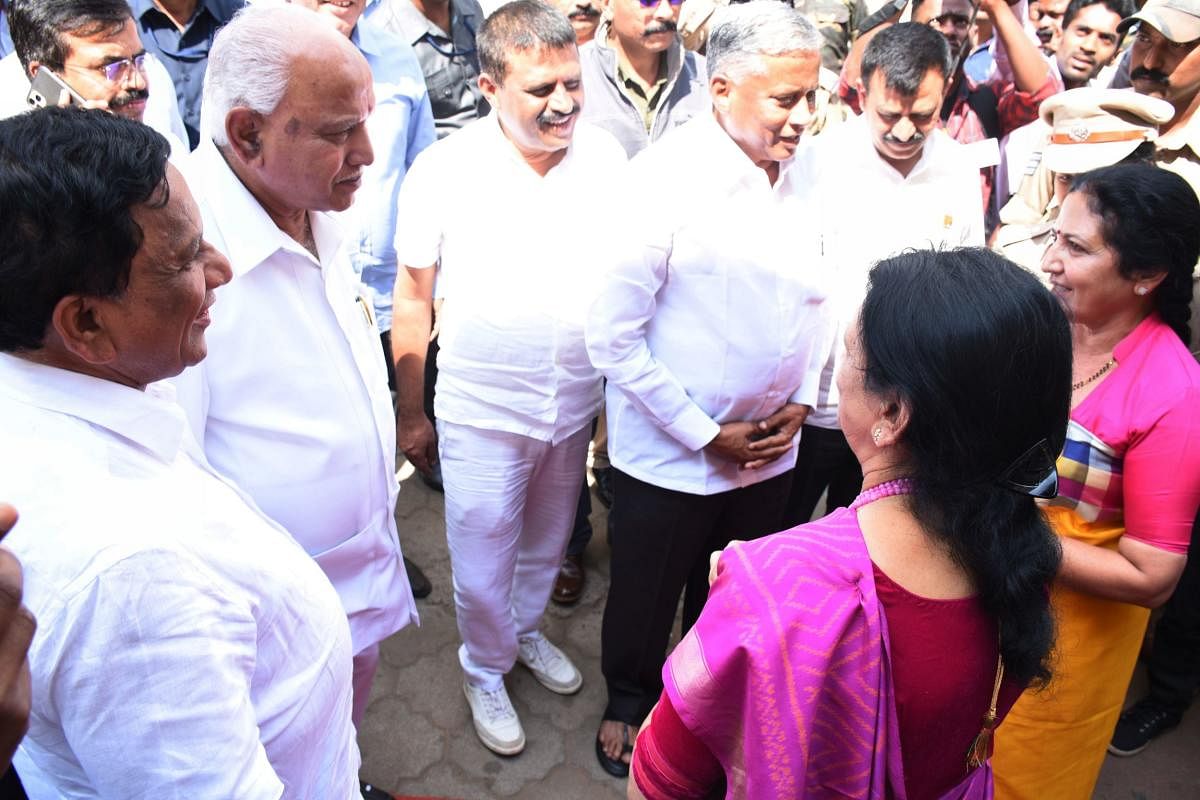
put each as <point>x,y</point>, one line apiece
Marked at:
<point>615,767</point>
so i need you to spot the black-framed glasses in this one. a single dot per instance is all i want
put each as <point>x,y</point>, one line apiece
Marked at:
<point>115,71</point>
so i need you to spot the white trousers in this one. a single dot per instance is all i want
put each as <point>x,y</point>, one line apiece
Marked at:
<point>510,503</point>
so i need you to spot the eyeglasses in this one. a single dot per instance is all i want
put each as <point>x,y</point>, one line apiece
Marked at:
<point>657,3</point>
<point>115,71</point>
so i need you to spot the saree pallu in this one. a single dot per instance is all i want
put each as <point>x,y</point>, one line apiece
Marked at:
<point>786,677</point>
<point>1053,741</point>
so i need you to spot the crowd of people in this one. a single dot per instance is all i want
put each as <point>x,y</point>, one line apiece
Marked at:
<point>932,263</point>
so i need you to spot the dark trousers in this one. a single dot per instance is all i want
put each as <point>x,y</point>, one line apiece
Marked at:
<point>581,531</point>
<point>823,461</point>
<point>661,541</point>
<point>1174,663</point>
<point>10,786</point>
<point>385,339</point>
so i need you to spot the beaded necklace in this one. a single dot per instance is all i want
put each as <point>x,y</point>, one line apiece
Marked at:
<point>886,489</point>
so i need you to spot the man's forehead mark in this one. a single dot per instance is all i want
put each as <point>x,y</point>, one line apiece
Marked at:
<point>293,127</point>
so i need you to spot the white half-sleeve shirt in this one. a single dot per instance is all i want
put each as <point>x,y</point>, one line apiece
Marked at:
<point>519,259</point>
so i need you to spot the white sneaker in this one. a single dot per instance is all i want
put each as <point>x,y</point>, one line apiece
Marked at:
<point>548,664</point>
<point>495,720</point>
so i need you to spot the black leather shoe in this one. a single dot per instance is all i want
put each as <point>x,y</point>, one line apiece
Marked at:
<point>433,478</point>
<point>370,792</point>
<point>568,586</point>
<point>421,587</point>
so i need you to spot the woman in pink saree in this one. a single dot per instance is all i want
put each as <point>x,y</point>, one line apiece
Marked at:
<point>871,654</point>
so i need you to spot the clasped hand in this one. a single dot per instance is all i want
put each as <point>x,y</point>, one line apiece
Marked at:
<point>753,444</point>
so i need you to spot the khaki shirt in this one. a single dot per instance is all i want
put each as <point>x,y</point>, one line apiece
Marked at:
<point>644,97</point>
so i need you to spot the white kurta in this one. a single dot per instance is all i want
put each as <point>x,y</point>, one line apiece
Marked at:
<point>292,401</point>
<point>186,646</point>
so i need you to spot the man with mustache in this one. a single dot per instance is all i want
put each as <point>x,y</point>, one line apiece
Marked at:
<point>712,330</point>
<point>895,167</point>
<point>292,401</point>
<point>1051,22</point>
<point>516,393</point>
<point>1165,62</point>
<point>1088,44</point>
<point>640,80</point>
<point>93,47</point>
<point>584,16</point>
<point>641,83</point>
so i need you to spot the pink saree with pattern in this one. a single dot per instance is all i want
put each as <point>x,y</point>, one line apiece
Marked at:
<point>786,676</point>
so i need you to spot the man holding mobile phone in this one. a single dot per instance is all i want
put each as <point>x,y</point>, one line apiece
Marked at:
<point>91,53</point>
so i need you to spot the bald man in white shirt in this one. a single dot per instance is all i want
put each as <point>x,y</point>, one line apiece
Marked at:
<point>292,402</point>
<point>711,330</point>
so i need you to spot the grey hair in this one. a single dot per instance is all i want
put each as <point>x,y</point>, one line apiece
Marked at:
<point>744,32</point>
<point>250,63</point>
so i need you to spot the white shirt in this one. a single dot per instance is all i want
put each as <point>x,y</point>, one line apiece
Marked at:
<point>162,108</point>
<point>870,211</point>
<point>713,312</point>
<point>186,647</point>
<point>519,258</point>
<point>292,401</point>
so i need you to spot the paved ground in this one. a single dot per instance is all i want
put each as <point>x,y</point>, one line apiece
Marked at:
<point>418,739</point>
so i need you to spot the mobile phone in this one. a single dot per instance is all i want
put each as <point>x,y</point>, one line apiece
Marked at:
<point>47,89</point>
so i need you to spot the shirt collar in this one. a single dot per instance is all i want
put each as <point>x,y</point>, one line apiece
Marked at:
<point>729,163</point>
<point>929,152</point>
<point>369,38</point>
<point>150,419</point>
<point>505,148</point>
<point>250,235</point>
<point>674,52</point>
<point>141,7</point>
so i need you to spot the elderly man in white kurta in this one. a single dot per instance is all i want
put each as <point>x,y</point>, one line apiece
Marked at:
<point>515,391</point>
<point>711,330</point>
<point>187,646</point>
<point>292,402</point>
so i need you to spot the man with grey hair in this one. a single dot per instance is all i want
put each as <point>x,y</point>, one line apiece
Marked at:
<point>515,391</point>
<point>712,331</point>
<point>292,401</point>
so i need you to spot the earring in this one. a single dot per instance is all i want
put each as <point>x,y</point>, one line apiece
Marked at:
<point>875,434</point>
<point>1140,290</point>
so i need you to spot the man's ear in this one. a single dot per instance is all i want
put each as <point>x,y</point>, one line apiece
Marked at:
<point>32,69</point>
<point>859,88</point>
<point>78,323</point>
<point>243,128</point>
<point>488,86</point>
<point>719,88</point>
